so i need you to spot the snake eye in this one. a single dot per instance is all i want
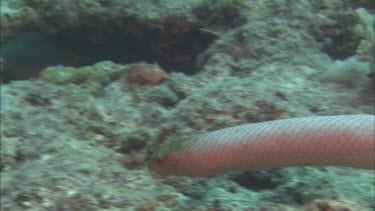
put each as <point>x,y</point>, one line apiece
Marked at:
<point>159,161</point>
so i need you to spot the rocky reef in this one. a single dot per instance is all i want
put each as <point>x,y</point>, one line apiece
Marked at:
<point>98,85</point>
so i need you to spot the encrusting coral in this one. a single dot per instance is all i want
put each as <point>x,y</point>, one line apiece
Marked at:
<point>147,74</point>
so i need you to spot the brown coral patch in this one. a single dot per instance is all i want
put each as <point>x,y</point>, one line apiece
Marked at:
<point>146,74</point>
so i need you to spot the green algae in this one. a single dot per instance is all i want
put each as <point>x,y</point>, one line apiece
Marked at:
<point>92,78</point>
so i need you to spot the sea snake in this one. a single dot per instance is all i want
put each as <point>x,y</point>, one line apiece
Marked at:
<point>342,140</point>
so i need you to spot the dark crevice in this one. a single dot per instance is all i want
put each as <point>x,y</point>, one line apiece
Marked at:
<point>338,40</point>
<point>173,44</point>
<point>256,181</point>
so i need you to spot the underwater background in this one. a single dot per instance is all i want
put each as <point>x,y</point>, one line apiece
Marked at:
<point>90,88</point>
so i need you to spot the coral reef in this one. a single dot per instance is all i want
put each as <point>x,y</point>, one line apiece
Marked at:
<point>78,136</point>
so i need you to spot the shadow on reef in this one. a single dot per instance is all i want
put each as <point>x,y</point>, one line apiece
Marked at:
<point>173,44</point>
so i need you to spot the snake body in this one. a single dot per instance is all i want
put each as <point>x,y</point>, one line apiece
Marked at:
<point>342,140</point>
